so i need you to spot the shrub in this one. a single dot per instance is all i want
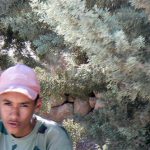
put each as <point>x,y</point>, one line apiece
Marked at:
<point>76,130</point>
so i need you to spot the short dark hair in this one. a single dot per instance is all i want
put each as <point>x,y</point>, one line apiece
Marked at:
<point>38,96</point>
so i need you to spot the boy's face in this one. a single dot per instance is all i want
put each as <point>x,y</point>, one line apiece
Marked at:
<point>16,112</point>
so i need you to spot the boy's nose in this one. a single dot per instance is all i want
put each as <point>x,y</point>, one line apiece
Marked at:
<point>14,113</point>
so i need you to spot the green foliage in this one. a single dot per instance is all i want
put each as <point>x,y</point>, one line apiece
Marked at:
<point>48,43</point>
<point>109,4</point>
<point>76,81</point>
<point>76,131</point>
<point>44,79</point>
<point>143,4</point>
<point>5,5</point>
<point>24,24</point>
<point>107,42</point>
<point>5,61</point>
<point>110,128</point>
<point>134,23</point>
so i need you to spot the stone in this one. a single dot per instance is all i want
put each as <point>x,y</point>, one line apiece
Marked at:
<point>81,107</point>
<point>57,101</point>
<point>62,112</point>
<point>99,104</point>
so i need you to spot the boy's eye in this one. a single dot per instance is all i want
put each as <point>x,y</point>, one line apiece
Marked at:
<point>7,103</point>
<point>24,105</point>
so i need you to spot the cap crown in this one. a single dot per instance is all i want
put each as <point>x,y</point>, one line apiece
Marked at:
<point>20,77</point>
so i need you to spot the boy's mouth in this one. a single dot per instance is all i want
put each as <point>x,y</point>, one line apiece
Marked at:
<point>13,124</point>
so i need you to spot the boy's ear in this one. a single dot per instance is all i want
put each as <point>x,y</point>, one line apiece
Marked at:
<point>38,105</point>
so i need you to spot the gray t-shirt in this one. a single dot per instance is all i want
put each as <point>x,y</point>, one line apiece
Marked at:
<point>46,135</point>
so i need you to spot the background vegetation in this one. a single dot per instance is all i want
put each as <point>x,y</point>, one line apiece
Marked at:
<point>79,47</point>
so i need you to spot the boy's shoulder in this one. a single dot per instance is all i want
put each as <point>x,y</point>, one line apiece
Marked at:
<point>55,135</point>
<point>46,121</point>
<point>51,128</point>
<point>47,125</point>
<point>2,128</point>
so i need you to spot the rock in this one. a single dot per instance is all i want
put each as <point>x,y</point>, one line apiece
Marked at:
<point>57,101</point>
<point>81,107</point>
<point>62,112</point>
<point>99,104</point>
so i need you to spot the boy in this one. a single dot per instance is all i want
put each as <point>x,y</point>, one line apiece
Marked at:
<point>20,128</point>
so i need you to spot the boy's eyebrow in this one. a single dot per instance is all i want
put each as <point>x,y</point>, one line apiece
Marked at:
<point>9,101</point>
<point>6,100</point>
<point>25,102</point>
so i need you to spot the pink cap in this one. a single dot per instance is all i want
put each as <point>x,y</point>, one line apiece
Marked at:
<point>20,78</point>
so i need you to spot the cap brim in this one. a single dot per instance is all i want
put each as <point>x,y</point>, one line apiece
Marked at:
<point>30,93</point>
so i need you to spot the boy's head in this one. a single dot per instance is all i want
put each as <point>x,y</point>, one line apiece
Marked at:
<point>22,79</point>
<point>19,99</point>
